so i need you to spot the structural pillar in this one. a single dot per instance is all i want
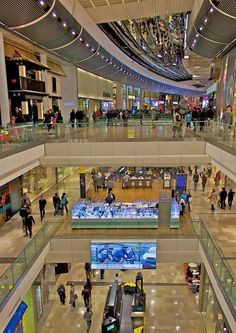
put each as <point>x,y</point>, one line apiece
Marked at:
<point>82,180</point>
<point>119,96</point>
<point>4,100</point>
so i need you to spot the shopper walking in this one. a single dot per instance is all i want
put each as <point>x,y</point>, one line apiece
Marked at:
<point>24,213</point>
<point>223,196</point>
<point>29,221</point>
<point>88,317</point>
<point>42,205</point>
<point>86,295</point>
<point>213,200</point>
<point>195,180</point>
<point>56,203</point>
<point>61,290</point>
<point>72,295</point>
<point>230,198</point>
<point>116,280</point>
<point>64,202</point>
<point>204,181</point>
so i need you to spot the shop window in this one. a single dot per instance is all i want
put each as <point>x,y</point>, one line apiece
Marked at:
<point>54,84</point>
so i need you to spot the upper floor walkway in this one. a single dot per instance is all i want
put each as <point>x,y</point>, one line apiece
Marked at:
<point>21,137</point>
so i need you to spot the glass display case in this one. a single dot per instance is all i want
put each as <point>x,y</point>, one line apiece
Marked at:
<point>143,214</point>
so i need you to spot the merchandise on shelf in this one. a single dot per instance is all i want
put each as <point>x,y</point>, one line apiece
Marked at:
<point>118,210</point>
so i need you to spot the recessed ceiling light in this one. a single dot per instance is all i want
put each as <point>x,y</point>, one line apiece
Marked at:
<point>201,28</point>
<point>211,10</point>
<point>64,24</point>
<point>159,55</point>
<point>81,39</point>
<point>87,44</point>
<point>98,53</point>
<point>92,49</point>
<point>54,14</point>
<point>73,32</point>
<point>206,20</point>
<point>42,3</point>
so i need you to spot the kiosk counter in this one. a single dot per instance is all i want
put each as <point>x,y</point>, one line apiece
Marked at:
<point>141,214</point>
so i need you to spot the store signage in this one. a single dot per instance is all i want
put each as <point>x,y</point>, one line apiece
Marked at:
<point>106,94</point>
<point>181,182</point>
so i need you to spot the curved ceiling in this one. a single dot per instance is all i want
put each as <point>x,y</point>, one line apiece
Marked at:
<point>214,28</point>
<point>52,26</point>
<point>157,43</point>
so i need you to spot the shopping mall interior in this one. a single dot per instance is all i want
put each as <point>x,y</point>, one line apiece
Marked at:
<point>117,166</point>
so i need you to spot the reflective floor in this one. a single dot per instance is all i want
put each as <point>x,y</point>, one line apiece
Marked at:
<point>170,307</point>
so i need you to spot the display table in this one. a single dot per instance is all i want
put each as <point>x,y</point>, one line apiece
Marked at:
<point>140,182</point>
<point>140,214</point>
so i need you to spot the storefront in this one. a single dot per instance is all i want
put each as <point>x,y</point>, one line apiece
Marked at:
<point>63,172</point>
<point>10,199</point>
<point>212,314</point>
<point>38,180</point>
<point>94,92</point>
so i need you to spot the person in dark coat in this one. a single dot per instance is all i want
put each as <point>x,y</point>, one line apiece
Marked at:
<point>42,205</point>
<point>29,221</point>
<point>223,196</point>
<point>72,118</point>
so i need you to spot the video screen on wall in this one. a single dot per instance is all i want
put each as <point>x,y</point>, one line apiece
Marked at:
<point>123,255</point>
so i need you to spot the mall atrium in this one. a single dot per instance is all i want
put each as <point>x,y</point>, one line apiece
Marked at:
<point>117,166</point>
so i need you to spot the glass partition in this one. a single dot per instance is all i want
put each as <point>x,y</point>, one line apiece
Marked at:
<point>222,272</point>
<point>26,258</point>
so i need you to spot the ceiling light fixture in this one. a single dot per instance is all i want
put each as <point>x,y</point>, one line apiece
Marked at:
<point>92,49</point>
<point>42,3</point>
<point>87,44</point>
<point>206,19</point>
<point>201,28</point>
<point>73,32</point>
<point>196,35</point>
<point>81,40</point>
<point>98,53</point>
<point>64,24</point>
<point>54,14</point>
<point>211,10</point>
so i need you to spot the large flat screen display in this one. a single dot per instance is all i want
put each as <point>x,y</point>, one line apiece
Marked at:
<point>123,255</point>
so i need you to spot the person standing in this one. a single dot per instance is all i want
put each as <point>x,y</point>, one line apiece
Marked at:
<point>213,200</point>
<point>72,295</point>
<point>61,290</point>
<point>223,196</point>
<point>64,202</point>
<point>110,186</point>
<point>209,170</point>
<point>176,123</point>
<point>204,181</point>
<point>88,317</point>
<point>116,278</point>
<point>189,200</point>
<point>227,118</point>
<point>217,178</point>
<point>72,118</point>
<point>126,179</point>
<point>87,268</point>
<point>230,198</point>
<point>102,272</point>
<point>29,221</point>
<point>195,180</point>
<point>42,205</point>
<point>56,203</point>
<point>86,295</point>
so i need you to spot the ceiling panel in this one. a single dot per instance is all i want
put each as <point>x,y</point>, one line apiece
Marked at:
<point>133,10</point>
<point>106,12</point>
<point>146,7</point>
<point>174,6</point>
<point>119,11</point>
<point>94,14</point>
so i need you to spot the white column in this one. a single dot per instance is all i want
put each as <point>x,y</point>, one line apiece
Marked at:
<point>4,101</point>
<point>119,96</point>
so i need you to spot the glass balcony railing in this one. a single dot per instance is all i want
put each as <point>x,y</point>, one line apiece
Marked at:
<point>25,260</point>
<point>225,278</point>
<point>115,131</point>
